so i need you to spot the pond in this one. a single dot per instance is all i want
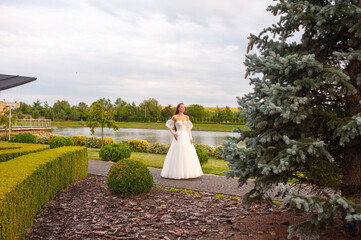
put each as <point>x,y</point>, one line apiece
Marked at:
<point>163,136</point>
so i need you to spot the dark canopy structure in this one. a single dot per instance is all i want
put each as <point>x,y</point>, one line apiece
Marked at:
<point>10,81</point>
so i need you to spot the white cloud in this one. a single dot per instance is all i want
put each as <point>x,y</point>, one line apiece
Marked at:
<point>168,50</point>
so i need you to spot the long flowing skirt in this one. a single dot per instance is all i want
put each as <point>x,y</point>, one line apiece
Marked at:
<point>181,160</point>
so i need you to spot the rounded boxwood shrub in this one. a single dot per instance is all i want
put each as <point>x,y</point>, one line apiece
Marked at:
<point>129,177</point>
<point>114,152</point>
<point>138,145</point>
<point>78,140</point>
<point>216,152</point>
<point>23,138</point>
<point>202,155</point>
<point>157,148</point>
<point>205,147</point>
<point>91,142</point>
<point>42,140</point>
<point>106,141</point>
<point>60,142</point>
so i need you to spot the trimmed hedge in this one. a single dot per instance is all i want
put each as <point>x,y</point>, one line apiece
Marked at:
<point>91,142</point>
<point>216,152</point>
<point>60,142</point>
<point>205,147</point>
<point>106,141</point>
<point>13,150</point>
<point>23,138</point>
<point>29,182</point>
<point>157,148</point>
<point>53,136</point>
<point>138,145</point>
<point>78,140</point>
<point>114,152</point>
<point>202,155</point>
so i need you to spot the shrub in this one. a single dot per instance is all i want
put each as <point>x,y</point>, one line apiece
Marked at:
<point>138,145</point>
<point>216,152</point>
<point>23,138</point>
<point>43,174</point>
<point>42,140</point>
<point>60,142</point>
<point>4,137</point>
<point>36,135</point>
<point>157,148</point>
<point>12,150</point>
<point>106,141</point>
<point>114,152</point>
<point>78,140</point>
<point>202,155</point>
<point>129,177</point>
<point>91,142</point>
<point>205,147</point>
<point>52,136</point>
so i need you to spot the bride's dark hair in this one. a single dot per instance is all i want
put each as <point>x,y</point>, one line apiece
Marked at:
<point>177,111</point>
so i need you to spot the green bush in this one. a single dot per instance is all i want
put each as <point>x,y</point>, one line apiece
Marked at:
<point>205,147</point>
<point>202,155</point>
<point>91,142</point>
<point>13,150</point>
<point>138,145</point>
<point>78,140</point>
<point>114,152</point>
<point>129,177</point>
<point>4,137</point>
<point>60,142</point>
<point>157,148</point>
<point>42,140</point>
<point>23,138</point>
<point>106,141</point>
<point>29,181</point>
<point>216,152</point>
<point>53,136</point>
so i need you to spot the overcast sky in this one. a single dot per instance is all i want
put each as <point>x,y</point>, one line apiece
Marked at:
<point>173,51</point>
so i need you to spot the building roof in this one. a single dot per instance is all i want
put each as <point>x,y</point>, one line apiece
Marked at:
<point>10,81</point>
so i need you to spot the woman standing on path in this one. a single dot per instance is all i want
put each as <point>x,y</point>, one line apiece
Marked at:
<point>181,161</point>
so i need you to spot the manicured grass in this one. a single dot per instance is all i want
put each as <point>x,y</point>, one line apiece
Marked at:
<point>158,125</point>
<point>214,166</point>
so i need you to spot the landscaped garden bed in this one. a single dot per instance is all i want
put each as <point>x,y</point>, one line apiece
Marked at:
<point>87,210</point>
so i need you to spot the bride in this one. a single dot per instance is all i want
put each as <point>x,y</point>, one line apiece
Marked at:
<point>181,160</point>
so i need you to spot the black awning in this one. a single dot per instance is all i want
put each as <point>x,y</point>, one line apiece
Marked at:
<point>10,81</point>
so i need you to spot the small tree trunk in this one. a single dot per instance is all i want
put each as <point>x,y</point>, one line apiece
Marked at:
<point>352,170</point>
<point>102,136</point>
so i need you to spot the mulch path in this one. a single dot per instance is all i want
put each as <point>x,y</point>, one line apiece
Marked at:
<point>87,210</point>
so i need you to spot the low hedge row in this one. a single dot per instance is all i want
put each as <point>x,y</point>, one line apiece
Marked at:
<point>28,182</point>
<point>13,150</point>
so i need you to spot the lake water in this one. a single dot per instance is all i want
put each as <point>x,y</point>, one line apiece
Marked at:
<point>163,136</point>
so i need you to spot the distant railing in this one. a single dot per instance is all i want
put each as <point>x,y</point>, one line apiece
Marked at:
<point>32,123</point>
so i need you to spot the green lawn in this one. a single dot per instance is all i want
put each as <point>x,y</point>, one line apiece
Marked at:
<point>214,166</point>
<point>159,125</point>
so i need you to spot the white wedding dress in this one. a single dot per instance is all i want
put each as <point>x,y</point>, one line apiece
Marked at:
<point>181,160</point>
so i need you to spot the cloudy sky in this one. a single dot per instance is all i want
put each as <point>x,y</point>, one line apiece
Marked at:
<point>173,51</point>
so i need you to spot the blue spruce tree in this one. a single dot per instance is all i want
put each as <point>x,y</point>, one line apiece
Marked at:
<point>304,113</point>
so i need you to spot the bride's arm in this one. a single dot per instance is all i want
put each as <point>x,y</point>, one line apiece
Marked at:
<point>170,124</point>
<point>189,127</point>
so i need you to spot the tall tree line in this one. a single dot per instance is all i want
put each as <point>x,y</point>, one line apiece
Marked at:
<point>148,110</point>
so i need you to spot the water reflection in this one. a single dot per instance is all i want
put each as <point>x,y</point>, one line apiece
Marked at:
<point>151,135</point>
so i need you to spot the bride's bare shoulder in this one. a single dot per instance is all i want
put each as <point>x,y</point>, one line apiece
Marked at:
<point>174,118</point>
